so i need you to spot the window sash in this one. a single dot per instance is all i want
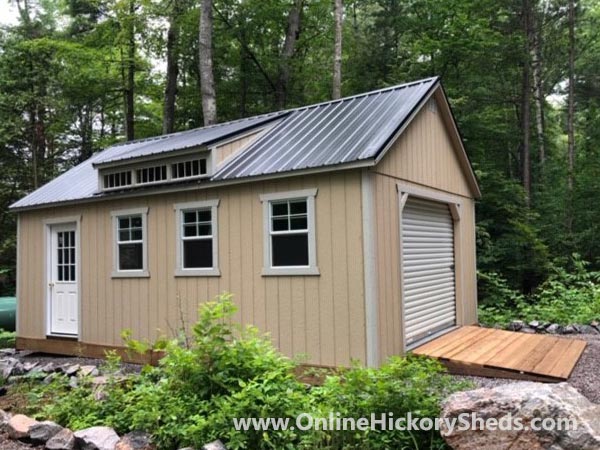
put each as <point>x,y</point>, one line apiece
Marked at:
<point>120,243</point>
<point>289,232</point>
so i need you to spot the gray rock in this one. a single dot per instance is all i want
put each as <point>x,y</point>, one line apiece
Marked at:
<point>73,383</point>
<point>569,329</point>
<point>41,432</point>
<point>8,351</point>
<point>595,323</point>
<point>48,379</point>
<point>49,368</point>
<point>528,330</point>
<point>136,440</point>
<point>97,438</point>
<point>516,325</point>
<point>7,366</point>
<point>554,329</point>
<point>4,419</point>
<point>29,366</point>
<point>187,448</point>
<point>215,445</point>
<point>63,440</point>
<point>535,324</point>
<point>91,371</point>
<point>524,401</point>
<point>71,370</point>
<point>19,426</point>
<point>588,329</point>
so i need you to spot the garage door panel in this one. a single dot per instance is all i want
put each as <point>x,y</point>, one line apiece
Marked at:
<point>428,268</point>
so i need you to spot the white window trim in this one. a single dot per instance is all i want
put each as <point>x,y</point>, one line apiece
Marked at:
<point>312,268</point>
<point>116,273</point>
<point>214,271</point>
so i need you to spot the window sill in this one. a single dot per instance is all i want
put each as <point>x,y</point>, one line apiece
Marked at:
<point>197,273</point>
<point>290,271</point>
<point>132,274</point>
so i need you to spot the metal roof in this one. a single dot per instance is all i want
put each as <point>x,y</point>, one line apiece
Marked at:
<point>142,148</point>
<point>350,129</point>
<point>326,134</point>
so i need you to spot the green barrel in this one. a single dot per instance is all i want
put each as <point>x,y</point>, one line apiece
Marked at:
<point>8,310</point>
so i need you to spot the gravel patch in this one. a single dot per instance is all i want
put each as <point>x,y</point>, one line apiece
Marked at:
<point>585,377</point>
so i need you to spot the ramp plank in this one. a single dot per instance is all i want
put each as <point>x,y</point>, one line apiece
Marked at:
<point>472,350</point>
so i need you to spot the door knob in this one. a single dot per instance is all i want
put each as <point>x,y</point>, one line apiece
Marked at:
<point>51,284</point>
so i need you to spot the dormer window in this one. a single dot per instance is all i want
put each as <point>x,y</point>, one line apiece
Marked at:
<point>118,180</point>
<point>188,169</point>
<point>179,169</point>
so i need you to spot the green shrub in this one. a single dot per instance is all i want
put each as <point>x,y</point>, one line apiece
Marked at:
<point>7,339</point>
<point>566,297</point>
<point>226,372</point>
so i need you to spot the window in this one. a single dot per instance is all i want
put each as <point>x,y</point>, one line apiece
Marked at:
<point>65,258</point>
<point>117,180</point>
<point>289,233</point>
<point>197,238</point>
<point>130,258</point>
<point>188,169</point>
<point>151,174</point>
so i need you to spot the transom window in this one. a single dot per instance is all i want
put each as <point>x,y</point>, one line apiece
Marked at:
<point>188,169</point>
<point>290,241</point>
<point>130,243</point>
<point>118,179</point>
<point>197,237</point>
<point>151,174</point>
<point>65,258</point>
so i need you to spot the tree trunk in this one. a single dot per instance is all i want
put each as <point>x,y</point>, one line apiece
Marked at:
<point>291,37</point>
<point>244,68</point>
<point>525,104</point>
<point>129,94</point>
<point>538,88</point>
<point>172,70</point>
<point>207,81</point>
<point>338,13</point>
<point>571,97</point>
<point>571,117</point>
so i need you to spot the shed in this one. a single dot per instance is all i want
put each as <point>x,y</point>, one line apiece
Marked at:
<point>345,229</point>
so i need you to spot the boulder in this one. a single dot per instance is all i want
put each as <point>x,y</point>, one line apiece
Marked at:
<point>7,365</point>
<point>215,445</point>
<point>41,432</point>
<point>528,330</point>
<point>91,371</point>
<point>569,329</point>
<point>63,440</point>
<point>29,366</point>
<point>136,440</point>
<point>516,325</point>
<point>18,426</point>
<point>71,369</point>
<point>97,438</point>
<point>522,403</point>
<point>4,419</point>
<point>535,324</point>
<point>554,329</point>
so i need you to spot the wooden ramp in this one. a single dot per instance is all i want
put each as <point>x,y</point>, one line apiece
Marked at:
<point>488,352</point>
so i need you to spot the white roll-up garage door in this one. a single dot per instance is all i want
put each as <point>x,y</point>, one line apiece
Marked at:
<point>428,269</point>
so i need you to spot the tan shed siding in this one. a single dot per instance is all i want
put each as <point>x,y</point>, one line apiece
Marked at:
<point>225,151</point>
<point>423,157</point>
<point>320,316</point>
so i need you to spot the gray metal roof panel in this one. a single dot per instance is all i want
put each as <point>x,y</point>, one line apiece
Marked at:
<point>331,133</point>
<point>185,139</point>
<point>327,134</point>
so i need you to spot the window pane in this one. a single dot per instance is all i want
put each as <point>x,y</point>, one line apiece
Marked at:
<point>72,257</point>
<point>299,223</point>
<point>298,207</point>
<point>124,235</point>
<point>123,222</point>
<point>60,273</point>
<point>60,256</point>
<point>204,215</point>
<point>279,209</point>
<point>290,250</point>
<point>204,230</point>
<point>197,254</point>
<point>136,222</point>
<point>130,257</point>
<point>136,235</point>
<point>203,166</point>
<point>189,230</point>
<point>60,239</point>
<point>72,273</point>
<point>189,217</point>
<point>280,224</point>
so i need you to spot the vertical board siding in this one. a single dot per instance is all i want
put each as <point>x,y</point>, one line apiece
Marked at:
<point>423,156</point>
<point>225,151</point>
<point>322,316</point>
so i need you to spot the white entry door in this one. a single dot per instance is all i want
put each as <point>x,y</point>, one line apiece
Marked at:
<point>429,302</point>
<point>64,296</point>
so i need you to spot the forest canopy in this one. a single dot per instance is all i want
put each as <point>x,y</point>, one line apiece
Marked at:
<point>523,79</point>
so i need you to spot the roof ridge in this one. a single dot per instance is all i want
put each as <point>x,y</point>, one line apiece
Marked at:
<point>366,94</point>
